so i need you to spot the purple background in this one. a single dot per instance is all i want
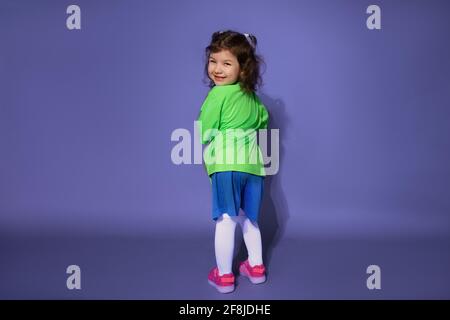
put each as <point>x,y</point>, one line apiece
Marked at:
<point>86,175</point>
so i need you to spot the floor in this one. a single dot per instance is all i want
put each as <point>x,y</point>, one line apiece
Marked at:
<point>117,267</point>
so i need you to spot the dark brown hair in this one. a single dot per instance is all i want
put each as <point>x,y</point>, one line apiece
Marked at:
<point>244,51</point>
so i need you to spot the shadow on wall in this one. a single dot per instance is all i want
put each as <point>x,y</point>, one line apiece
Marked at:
<point>274,212</point>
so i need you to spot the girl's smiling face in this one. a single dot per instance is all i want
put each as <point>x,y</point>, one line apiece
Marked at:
<point>223,68</point>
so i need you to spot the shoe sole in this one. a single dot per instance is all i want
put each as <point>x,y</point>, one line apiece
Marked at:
<point>222,289</point>
<point>254,280</point>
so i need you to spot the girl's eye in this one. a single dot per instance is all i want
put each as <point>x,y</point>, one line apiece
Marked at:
<point>228,64</point>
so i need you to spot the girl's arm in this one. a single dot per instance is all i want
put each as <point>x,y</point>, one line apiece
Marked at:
<point>264,117</point>
<point>209,117</point>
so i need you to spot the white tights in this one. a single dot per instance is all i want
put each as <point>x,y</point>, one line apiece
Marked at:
<point>224,241</point>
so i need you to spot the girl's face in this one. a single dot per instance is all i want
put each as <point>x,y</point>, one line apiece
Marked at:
<point>223,68</point>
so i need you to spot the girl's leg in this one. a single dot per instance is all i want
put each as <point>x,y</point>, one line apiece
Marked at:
<point>252,239</point>
<point>224,243</point>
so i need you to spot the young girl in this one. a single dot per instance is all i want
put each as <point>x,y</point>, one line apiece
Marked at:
<point>228,120</point>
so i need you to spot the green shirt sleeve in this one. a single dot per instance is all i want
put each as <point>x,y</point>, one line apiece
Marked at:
<point>264,119</point>
<point>209,116</point>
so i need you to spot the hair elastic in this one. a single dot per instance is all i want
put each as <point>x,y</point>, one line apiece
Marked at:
<point>249,40</point>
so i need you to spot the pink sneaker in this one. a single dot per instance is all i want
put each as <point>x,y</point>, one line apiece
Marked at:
<point>256,274</point>
<point>223,283</point>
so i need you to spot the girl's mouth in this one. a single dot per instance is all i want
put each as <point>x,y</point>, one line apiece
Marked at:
<point>218,78</point>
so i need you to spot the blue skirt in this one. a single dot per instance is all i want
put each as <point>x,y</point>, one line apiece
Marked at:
<point>232,190</point>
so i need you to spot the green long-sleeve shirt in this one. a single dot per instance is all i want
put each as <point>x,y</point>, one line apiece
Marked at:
<point>229,119</point>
